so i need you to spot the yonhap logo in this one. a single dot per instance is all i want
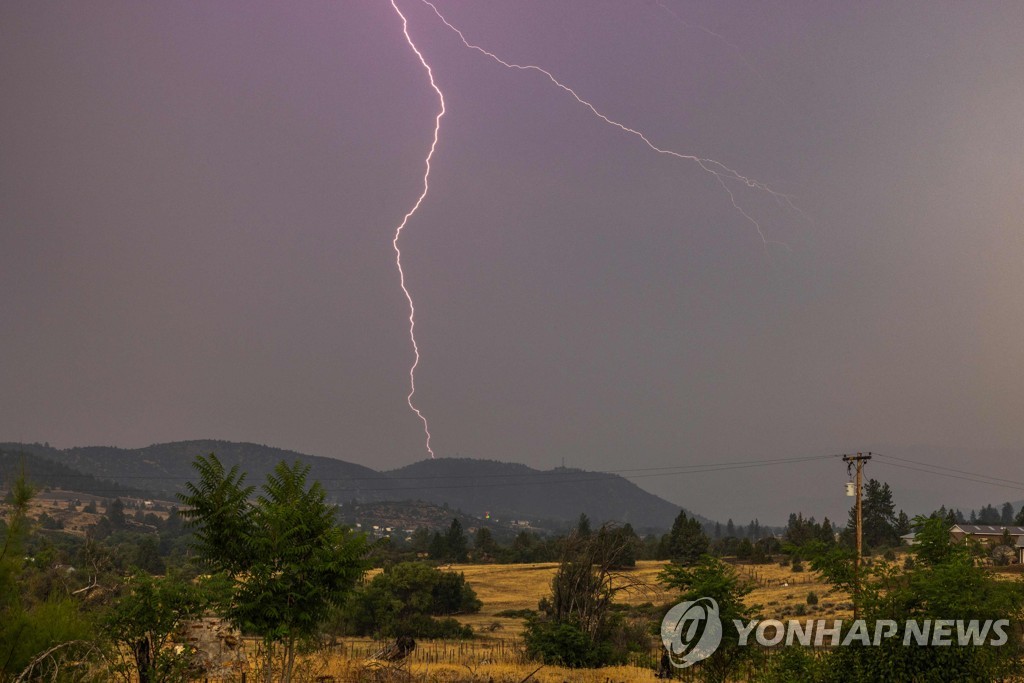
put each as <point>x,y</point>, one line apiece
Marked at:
<point>691,631</point>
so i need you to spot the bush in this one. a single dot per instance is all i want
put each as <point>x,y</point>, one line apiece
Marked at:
<point>402,600</point>
<point>788,664</point>
<point>798,566</point>
<point>890,555</point>
<point>812,598</point>
<point>422,626</point>
<point>564,644</point>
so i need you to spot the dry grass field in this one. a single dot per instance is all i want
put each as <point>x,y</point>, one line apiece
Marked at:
<point>496,654</point>
<point>778,590</point>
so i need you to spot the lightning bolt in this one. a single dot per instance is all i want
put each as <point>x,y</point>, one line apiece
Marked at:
<point>720,171</point>
<point>405,221</point>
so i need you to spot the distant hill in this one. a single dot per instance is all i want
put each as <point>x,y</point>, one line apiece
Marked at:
<point>165,467</point>
<point>506,490</point>
<point>517,491</point>
<point>41,471</point>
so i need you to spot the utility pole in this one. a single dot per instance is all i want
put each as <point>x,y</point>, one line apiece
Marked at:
<point>858,461</point>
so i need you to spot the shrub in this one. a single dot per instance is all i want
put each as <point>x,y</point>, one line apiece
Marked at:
<point>402,600</point>
<point>564,644</point>
<point>812,598</point>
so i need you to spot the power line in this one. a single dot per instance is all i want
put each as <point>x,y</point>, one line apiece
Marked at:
<point>955,476</point>
<point>999,480</point>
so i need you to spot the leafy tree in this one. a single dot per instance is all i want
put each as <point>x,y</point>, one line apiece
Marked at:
<point>903,525</point>
<point>878,517</point>
<point>711,578</point>
<point>420,539</point>
<point>404,598</point>
<point>687,540</point>
<point>583,529</point>
<point>115,513</point>
<point>576,626</point>
<point>29,623</point>
<point>438,549</point>
<point>623,542</point>
<point>943,582</point>
<point>801,532</point>
<point>289,560</point>
<point>1006,514</point>
<point>218,513</point>
<point>144,616</point>
<point>147,555</point>
<point>455,543</point>
<point>484,543</point>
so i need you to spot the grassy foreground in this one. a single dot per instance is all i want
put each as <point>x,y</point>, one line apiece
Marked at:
<point>496,654</point>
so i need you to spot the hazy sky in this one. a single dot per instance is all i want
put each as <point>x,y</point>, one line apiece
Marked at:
<point>197,202</point>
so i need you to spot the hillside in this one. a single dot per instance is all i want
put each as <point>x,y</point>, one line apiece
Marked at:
<point>166,467</point>
<point>506,490</point>
<point>41,471</point>
<point>517,491</point>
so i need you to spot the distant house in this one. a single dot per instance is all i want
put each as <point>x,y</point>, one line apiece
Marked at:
<point>908,539</point>
<point>991,534</point>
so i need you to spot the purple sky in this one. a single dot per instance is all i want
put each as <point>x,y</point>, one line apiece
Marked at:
<point>197,202</point>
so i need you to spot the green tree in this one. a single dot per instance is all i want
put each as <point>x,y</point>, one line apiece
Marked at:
<point>1006,514</point>
<point>583,529</point>
<point>484,543</point>
<point>623,542</point>
<point>711,578</point>
<point>143,617</point>
<point>30,624</point>
<point>290,561</point>
<point>403,599</point>
<point>438,549</point>
<point>147,555</point>
<point>420,542</point>
<point>878,516</point>
<point>218,513</point>
<point>687,540</point>
<point>943,582</point>
<point>456,545</point>
<point>576,626</point>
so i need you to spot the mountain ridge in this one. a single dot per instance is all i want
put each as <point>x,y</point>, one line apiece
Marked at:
<point>479,486</point>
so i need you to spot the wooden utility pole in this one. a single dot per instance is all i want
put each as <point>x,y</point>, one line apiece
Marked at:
<point>858,461</point>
